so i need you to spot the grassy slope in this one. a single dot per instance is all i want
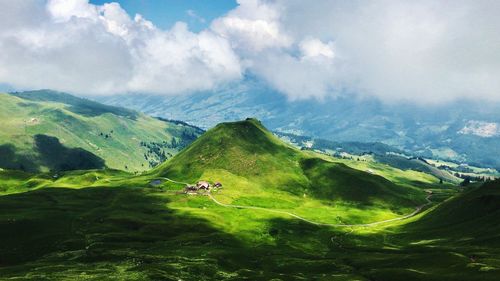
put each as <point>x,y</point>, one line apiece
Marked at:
<point>467,218</point>
<point>108,225</point>
<point>336,180</point>
<point>417,165</point>
<point>77,123</point>
<point>456,240</point>
<point>381,153</point>
<point>257,169</point>
<point>122,229</point>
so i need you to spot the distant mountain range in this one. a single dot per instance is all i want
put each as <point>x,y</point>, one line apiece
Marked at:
<point>463,131</point>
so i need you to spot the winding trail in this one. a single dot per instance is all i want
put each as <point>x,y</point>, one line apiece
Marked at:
<point>417,210</point>
<point>171,180</point>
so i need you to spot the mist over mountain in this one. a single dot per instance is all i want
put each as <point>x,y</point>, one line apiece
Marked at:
<point>463,131</point>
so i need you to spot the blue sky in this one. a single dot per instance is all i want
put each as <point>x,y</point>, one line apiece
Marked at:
<point>164,13</point>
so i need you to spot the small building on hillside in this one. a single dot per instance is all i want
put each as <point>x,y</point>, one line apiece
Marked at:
<point>203,185</point>
<point>218,185</point>
<point>190,189</point>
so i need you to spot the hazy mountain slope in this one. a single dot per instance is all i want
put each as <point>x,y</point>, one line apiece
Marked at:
<point>416,165</point>
<point>45,130</point>
<point>372,151</point>
<point>461,131</point>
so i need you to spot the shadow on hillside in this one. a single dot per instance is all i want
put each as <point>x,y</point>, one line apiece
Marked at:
<point>333,181</point>
<point>97,222</point>
<point>12,160</point>
<point>470,218</point>
<point>60,158</point>
<point>50,153</point>
<point>120,233</point>
<point>76,229</point>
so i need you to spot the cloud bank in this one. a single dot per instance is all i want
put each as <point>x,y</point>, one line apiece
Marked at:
<point>75,46</point>
<point>419,51</point>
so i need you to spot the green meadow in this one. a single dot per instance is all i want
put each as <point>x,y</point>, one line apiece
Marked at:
<point>281,214</point>
<point>44,131</point>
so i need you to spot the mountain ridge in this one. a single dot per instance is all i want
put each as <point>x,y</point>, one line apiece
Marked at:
<point>39,125</point>
<point>432,131</point>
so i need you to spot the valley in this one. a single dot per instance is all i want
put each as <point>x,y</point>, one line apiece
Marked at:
<point>282,213</point>
<point>249,140</point>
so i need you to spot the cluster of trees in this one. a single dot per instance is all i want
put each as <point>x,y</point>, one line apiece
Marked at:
<point>468,179</point>
<point>106,135</point>
<point>337,154</point>
<point>462,169</point>
<point>187,137</point>
<point>179,122</point>
<point>342,156</point>
<point>155,153</point>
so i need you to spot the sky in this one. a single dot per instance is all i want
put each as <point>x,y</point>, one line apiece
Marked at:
<point>395,50</point>
<point>165,13</point>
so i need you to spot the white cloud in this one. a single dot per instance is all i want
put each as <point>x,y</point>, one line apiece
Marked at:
<point>63,10</point>
<point>313,48</point>
<point>252,27</point>
<point>298,77</point>
<point>423,51</point>
<point>179,61</point>
<point>98,49</point>
<point>195,16</point>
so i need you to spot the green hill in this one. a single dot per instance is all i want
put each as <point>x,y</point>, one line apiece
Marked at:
<point>259,168</point>
<point>46,130</point>
<point>335,180</point>
<point>471,218</point>
<point>458,239</point>
<point>242,148</point>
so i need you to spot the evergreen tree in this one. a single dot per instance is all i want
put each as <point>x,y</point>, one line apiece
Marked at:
<point>466,181</point>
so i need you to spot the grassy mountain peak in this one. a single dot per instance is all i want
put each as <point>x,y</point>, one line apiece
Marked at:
<point>246,152</point>
<point>244,148</point>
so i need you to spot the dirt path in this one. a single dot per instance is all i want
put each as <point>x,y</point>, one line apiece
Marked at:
<point>417,210</point>
<point>171,180</point>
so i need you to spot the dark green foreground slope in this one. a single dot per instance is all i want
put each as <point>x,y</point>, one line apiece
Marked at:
<point>127,233</point>
<point>473,218</point>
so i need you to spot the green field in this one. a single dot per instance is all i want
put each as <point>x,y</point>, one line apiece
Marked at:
<point>45,131</point>
<point>282,214</point>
